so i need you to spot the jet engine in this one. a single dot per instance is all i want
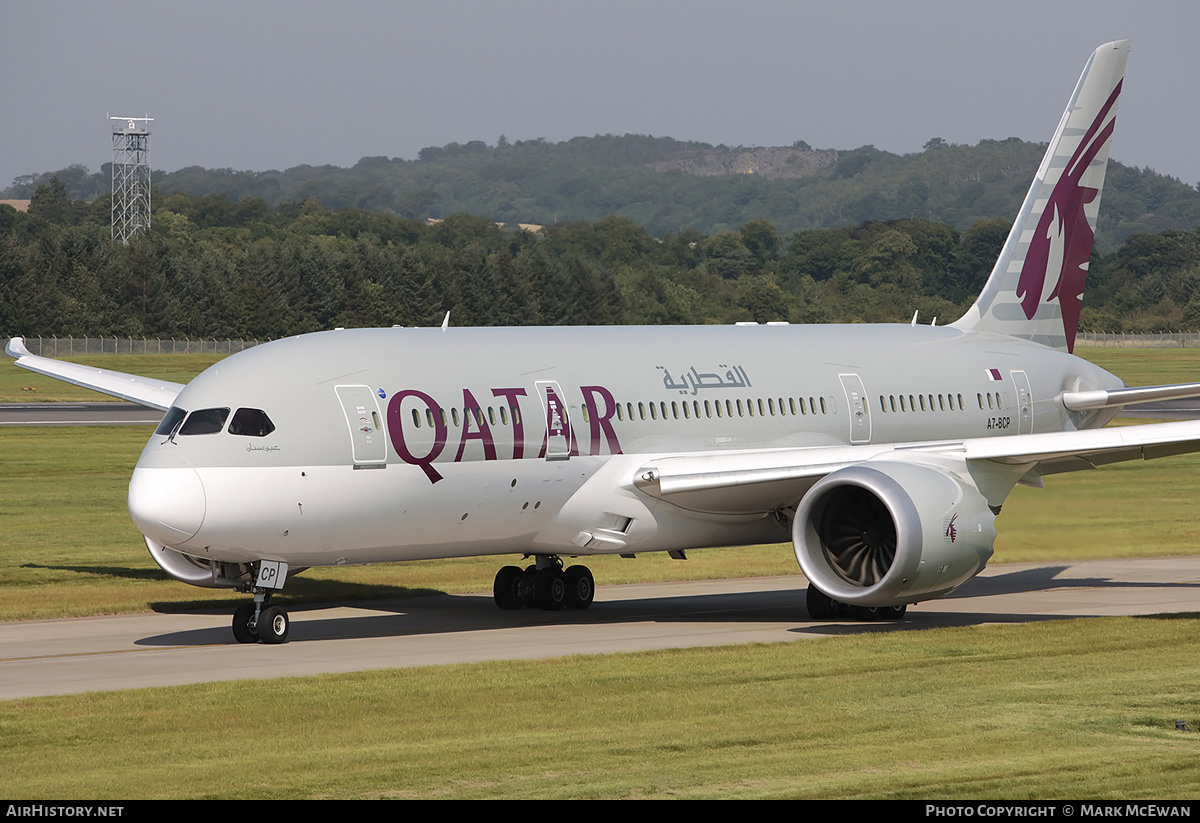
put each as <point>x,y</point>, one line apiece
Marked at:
<point>181,566</point>
<point>887,533</point>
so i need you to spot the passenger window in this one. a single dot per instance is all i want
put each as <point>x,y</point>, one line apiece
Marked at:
<point>254,423</point>
<point>205,421</point>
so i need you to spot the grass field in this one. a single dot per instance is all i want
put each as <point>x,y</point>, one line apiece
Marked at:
<point>1067,709</point>
<point>1071,709</point>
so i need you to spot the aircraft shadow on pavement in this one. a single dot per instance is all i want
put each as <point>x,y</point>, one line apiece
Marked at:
<point>451,614</point>
<point>302,594</point>
<point>1046,578</point>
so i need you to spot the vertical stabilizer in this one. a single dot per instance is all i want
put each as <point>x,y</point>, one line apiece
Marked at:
<point>1036,288</point>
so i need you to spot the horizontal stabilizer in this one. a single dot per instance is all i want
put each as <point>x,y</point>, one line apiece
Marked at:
<point>156,394</point>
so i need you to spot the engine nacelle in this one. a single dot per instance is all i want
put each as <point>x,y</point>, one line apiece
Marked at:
<point>181,566</point>
<point>887,533</point>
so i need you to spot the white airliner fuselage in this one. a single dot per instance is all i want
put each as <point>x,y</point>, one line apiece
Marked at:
<point>399,444</point>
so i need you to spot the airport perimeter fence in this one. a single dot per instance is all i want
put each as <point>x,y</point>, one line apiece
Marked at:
<point>1156,340</point>
<point>71,346</point>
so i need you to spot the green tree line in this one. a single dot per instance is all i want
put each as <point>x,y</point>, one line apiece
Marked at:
<point>215,267</point>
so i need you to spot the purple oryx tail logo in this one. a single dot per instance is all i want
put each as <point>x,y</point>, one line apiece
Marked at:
<point>1063,240</point>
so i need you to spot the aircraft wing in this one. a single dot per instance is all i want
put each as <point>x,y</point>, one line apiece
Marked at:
<point>1054,452</point>
<point>156,394</point>
<point>747,481</point>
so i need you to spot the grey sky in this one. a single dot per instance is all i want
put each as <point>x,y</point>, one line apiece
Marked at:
<point>260,85</point>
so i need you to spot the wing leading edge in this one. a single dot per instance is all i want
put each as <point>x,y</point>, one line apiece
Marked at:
<point>146,391</point>
<point>760,481</point>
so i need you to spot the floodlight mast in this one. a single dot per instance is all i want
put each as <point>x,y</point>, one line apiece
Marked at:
<point>130,177</point>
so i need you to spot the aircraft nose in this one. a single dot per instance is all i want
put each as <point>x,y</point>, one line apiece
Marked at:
<point>167,504</point>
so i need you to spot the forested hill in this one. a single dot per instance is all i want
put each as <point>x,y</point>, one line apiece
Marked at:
<point>665,185</point>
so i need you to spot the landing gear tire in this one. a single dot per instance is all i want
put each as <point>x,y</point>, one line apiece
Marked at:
<point>242,616</point>
<point>581,587</point>
<point>273,625</point>
<point>823,607</point>
<point>886,612</point>
<point>507,588</point>
<point>820,605</point>
<point>549,589</point>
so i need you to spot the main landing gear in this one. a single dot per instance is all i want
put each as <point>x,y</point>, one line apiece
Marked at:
<point>257,621</point>
<point>544,585</point>
<point>823,607</point>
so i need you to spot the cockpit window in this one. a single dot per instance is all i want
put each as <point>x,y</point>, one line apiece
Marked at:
<point>251,423</point>
<point>205,421</point>
<point>171,420</point>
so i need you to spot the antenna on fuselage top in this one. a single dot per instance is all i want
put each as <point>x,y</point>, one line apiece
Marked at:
<point>913,322</point>
<point>446,321</point>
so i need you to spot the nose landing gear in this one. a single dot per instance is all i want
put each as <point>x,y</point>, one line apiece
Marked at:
<point>257,621</point>
<point>254,622</point>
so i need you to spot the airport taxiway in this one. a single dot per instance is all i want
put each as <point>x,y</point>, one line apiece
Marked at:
<point>133,651</point>
<point>77,414</point>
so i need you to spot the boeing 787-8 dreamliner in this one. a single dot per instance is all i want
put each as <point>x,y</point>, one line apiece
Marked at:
<point>884,452</point>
